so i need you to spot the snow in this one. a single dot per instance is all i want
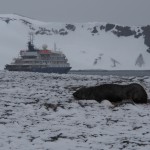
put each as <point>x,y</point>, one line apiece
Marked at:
<point>38,111</point>
<point>81,47</point>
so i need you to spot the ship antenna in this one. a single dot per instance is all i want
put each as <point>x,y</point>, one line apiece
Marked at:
<point>55,47</point>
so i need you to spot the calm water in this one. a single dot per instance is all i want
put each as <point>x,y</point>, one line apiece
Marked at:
<point>112,72</point>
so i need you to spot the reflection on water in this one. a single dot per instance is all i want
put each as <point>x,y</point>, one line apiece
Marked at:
<point>112,72</point>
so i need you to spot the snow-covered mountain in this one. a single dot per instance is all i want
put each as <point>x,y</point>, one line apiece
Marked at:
<point>86,45</point>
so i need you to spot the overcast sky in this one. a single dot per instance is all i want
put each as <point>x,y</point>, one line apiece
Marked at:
<point>126,12</point>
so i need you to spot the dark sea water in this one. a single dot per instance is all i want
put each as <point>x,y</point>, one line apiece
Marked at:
<point>139,73</point>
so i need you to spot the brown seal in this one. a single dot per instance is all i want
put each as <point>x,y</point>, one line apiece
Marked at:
<point>113,93</point>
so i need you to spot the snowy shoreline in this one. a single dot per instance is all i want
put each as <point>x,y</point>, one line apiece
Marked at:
<point>38,111</point>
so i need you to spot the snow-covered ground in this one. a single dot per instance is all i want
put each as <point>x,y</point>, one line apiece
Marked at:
<point>38,112</point>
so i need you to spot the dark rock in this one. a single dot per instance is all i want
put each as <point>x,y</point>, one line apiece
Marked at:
<point>94,30</point>
<point>138,35</point>
<point>102,27</point>
<point>63,32</point>
<point>43,31</point>
<point>7,20</point>
<point>148,50</point>
<point>70,27</point>
<point>123,31</point>
<point>109,27</point>
<point>146,33</point>
<point>25,22</point>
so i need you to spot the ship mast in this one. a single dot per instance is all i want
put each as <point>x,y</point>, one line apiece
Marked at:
<point>30,43</point>
<point>31,36</point>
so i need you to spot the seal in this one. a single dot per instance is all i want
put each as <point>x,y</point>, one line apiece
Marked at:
<point>113,93</point>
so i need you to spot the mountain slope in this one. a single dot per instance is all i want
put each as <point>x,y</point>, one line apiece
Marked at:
<point>86,45</point>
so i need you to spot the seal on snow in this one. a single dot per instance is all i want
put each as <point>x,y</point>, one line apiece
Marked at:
<point>113,93</point>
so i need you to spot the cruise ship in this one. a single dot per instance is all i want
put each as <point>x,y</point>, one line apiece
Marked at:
<point>36,60</point>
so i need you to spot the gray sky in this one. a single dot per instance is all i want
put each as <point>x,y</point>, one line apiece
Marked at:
<point>126,12</point>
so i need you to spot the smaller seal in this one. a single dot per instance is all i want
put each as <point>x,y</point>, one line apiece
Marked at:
<point>113,93</point>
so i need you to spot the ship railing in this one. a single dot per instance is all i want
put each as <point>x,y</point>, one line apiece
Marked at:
<point>52,58</point>
<point>43,64</point>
